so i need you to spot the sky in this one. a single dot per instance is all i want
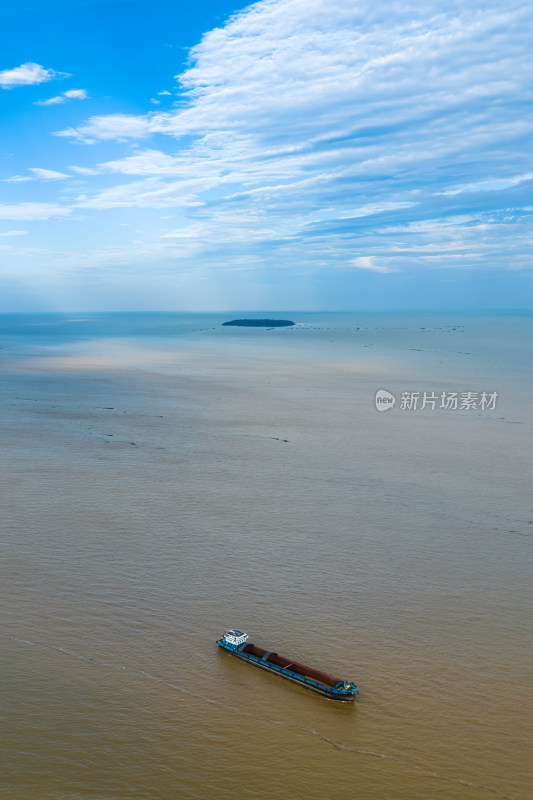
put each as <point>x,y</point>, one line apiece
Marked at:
<point>293,154</point>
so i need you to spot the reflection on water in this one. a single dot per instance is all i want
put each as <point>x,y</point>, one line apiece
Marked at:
<point>151,500</point>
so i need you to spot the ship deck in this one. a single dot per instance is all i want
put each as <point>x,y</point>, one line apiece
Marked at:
<point>311,678</point>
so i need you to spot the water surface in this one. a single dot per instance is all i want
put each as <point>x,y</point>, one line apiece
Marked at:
<point>166,478</point>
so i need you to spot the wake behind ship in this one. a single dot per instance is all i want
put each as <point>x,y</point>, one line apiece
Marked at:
<point>235,642</point>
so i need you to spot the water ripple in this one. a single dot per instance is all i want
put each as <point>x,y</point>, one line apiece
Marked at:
<point>422,771</point>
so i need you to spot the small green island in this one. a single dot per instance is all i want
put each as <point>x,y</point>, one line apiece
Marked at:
<point>260,323</point>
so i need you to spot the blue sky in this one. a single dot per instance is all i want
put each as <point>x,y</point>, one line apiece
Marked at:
<point>295,154</point>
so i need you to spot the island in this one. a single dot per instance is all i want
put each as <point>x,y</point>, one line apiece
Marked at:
<point>260,323</point>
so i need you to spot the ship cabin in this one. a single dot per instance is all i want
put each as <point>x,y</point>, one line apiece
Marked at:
<point>235,638</point>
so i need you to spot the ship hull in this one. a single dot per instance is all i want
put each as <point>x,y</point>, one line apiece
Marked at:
<point>287,674</point>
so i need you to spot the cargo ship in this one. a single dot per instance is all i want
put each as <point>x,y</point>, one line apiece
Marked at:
<point>236,643</point>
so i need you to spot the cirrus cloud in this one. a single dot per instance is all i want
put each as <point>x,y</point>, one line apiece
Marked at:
<point>118,127</point>
<point>32,211</point>
<point>309,130</point>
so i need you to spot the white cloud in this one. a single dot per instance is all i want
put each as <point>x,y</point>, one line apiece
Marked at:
<point>48,174</point>
<point>495,185</point>
<point>189,232</point>
<point>76,94</point>
<point>164,92</point>
<point>313,64</point>
<point>377,208</point>
<point>310,130</point>
<point>155,162</point>
<point>32,211</point>
<point>118,127</point>
<point>149,193</point>
<point>28,74</point>
<point>71,94</point>
<point>367,262</point>
<point>85,170</point>
<point>18,179</point>
<point>38,174</point>
<point>52,101</point>
<point>13,233</point>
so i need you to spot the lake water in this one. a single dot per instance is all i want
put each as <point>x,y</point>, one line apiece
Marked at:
<point>165,478</point>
